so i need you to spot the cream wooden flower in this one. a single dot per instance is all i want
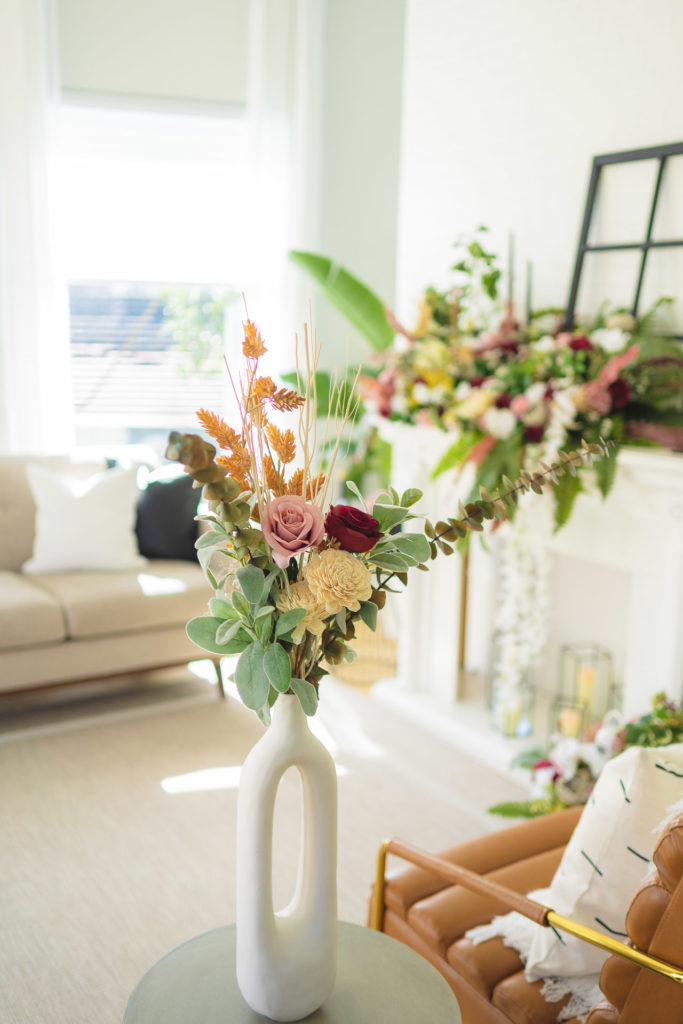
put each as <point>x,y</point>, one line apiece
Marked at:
<point>338,580</point>
<point>300,595</point>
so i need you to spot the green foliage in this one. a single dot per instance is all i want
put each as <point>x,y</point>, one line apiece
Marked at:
<point>660,727</point>
<point>524,808</point>
<point>307,694</point>
<point>605,475</point>
<point>277,667</point>
<point>457,453</point>
<point>194,317</point>
<point>202,631</point>
<point>351,297</point>
<point>566,492</point>
<point>250,676</point>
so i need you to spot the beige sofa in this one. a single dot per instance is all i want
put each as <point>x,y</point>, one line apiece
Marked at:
<point>64,627</point>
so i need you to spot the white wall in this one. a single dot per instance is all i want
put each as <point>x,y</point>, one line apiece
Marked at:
<point>362,91</point>
<point>505,104</point>
<point>179,49</point>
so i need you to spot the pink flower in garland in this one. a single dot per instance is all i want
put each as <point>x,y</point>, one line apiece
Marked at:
<point>290,526</point>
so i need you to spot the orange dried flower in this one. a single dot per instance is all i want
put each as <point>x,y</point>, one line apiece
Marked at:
<point>282,442</point>
<point>295,483</point>
<point>314,486</point>
<point>263,387</point>
<point>238,464</point>
<point>252,346</point>
<point>285,400</point>
<point>219,430</point>
<point>272,479</point>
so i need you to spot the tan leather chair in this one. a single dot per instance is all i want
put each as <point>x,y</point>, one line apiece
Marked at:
<point>431,905</point>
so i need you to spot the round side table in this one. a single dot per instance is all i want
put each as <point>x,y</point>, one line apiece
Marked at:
<point>378,979</point>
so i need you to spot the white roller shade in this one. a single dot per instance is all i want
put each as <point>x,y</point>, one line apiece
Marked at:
<point>193,51</point>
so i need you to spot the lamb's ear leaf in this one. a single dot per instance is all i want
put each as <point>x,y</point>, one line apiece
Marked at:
<point>252,582</point>
<point>202,632</point>
<point>277,667</point>
<point>250,677</point>
<point>288,620</point>
<point>308,698</point>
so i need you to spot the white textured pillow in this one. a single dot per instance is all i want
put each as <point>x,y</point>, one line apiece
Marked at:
<point>607,857</point>
<point>83,524</point>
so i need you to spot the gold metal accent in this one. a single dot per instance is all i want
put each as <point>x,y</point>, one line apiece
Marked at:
<point>378,905</point>
<point>614,946</point>
<point>550,919</point>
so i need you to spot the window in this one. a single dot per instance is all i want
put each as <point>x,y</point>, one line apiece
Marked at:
<point>152,217</point>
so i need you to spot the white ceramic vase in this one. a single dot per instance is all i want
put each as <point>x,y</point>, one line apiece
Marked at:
<point>287,961</point>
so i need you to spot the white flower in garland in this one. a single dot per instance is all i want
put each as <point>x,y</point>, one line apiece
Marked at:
<point>522,615</point>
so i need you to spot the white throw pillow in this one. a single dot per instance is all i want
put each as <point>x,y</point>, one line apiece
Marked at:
<point>607,857</point>
<point>83,524</point>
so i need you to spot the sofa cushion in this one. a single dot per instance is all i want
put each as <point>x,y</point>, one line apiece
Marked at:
<point>165,524</point>
<point>99,603</point>
<point>28,614</point>
<point>83,524</point>
<point>607,856</point>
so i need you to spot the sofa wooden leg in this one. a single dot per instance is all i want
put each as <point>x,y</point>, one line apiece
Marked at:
<point>219,677</point>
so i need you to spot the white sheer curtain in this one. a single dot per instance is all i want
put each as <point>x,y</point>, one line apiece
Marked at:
<point>35,406</point>
<point>284,110</point>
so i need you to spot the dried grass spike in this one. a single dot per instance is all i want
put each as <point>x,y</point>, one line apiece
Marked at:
<point>238,464</point>
<point>285,400</point>
<point>218,429</point>
<point>272,479</point>
<point>252,346</point>
<point>295,483</point>
<point>315,486</point>
<point>282,442</point>
<point>263,387</point>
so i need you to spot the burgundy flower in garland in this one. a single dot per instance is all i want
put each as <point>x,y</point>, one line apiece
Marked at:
<point>355,530</point>
<point>580,343</point>
<point>620,393</point>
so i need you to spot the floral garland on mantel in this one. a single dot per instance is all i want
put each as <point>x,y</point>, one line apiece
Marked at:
<point>512,395</point>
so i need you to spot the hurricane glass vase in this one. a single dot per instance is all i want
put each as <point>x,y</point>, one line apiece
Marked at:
<point>287,960</point>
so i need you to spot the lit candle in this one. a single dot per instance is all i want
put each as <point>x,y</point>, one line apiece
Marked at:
<point>585,684</point>
<point>569,722</point>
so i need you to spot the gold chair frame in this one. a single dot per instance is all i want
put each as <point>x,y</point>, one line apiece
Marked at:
<point>542,915</point>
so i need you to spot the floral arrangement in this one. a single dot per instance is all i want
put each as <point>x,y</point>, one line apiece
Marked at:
<point>292,571</point>
<point>515,394</point>
<point>564,775</point>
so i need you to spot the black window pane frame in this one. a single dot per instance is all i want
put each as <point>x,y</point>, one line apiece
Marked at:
<point>658,153</point>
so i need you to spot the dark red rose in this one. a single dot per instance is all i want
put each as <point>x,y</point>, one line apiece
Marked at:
<point>620,393</point>
<point>548,396</point>
<point>503,400</point>
<point>580,343</point>
<point>355,530</point>
<point>477,382</point>
<point>533,434</point>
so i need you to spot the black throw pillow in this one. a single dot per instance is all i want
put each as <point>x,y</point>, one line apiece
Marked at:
<point>165,525</point>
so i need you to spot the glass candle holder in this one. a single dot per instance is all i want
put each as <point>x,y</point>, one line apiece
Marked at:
<point>567,718</point>
<point>514,715</point>
<point>586,679</point>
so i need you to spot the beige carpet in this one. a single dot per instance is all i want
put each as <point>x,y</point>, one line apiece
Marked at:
<point>109,857</point>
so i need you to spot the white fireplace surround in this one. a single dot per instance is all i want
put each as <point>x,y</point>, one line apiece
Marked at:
<point>617,580</point>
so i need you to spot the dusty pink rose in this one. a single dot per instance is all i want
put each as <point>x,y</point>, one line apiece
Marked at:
<point>596,396</point>
<point>520,405</point>
<point>616,364</point>
<point>290,526</point>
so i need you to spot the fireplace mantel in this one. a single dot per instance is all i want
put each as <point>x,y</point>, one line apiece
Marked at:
<point>632,543</point>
